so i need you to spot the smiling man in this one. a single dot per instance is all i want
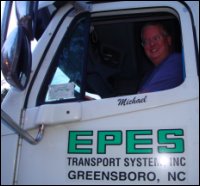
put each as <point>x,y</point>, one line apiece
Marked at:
<point>168,71</point>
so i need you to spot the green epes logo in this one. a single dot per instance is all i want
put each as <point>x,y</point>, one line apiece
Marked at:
<point>137,141</point>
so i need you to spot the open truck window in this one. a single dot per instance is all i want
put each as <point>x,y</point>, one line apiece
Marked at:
<point>115,62</point>
<point>81,107</point>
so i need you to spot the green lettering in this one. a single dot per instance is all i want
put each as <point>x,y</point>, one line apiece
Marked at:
<point>173,145</point>
<point>106,138</point>
<point>132,141</point>
<point>74,142</point>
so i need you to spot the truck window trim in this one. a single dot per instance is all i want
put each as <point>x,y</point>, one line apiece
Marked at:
<point>40,99</point>
<point>194,34</point>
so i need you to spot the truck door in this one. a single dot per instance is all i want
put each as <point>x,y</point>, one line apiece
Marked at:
<point>56,92</point>
<point>83,89</point>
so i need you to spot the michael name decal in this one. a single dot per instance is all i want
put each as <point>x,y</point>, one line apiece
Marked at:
<point>135,100</point>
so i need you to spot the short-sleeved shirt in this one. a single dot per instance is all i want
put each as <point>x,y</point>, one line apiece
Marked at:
<point>168,74</point>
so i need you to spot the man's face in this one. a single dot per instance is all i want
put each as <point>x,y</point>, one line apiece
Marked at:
<point>156,44</point>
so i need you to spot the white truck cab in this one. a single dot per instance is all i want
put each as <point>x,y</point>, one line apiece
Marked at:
<point>77,91</point>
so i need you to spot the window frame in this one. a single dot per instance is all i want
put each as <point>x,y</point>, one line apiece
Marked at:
<point>67,35</point>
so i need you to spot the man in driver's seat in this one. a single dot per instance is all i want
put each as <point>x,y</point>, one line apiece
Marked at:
<point>168,71</point>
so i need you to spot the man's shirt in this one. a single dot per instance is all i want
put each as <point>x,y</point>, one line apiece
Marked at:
<point>168,74</point>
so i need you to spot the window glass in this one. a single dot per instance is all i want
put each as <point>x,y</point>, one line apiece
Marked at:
<point>67,81</point>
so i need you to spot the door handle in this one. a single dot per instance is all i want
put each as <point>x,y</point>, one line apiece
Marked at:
<point>24,134</point>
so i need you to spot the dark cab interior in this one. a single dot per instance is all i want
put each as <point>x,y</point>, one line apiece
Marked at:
<point>117,63</point>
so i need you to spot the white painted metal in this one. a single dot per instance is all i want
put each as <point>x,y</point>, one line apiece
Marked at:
<point>49,161</point>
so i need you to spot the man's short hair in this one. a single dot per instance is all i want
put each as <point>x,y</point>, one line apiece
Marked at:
<point>158,24</point>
